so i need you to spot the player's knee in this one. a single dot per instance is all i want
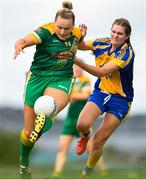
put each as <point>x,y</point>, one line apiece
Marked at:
<point>82,127</point>
<point>61,149</point>
<point>47,105</point>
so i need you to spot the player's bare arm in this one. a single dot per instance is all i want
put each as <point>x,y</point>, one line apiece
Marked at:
<point>97,71</point>
<point>21,44</point>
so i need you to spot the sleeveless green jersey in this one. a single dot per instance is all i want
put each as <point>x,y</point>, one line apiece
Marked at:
<point>54,56</point>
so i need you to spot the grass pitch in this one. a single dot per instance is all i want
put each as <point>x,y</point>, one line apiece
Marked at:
<point>72,171</point>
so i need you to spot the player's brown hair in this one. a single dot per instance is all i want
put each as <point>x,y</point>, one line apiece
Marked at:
<point>125,23</point>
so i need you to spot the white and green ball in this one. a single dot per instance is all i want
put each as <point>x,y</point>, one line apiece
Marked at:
<point>46,104</point>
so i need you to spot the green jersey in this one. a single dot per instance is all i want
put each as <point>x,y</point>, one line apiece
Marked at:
<point>54,56</point>
<point>81,84</point>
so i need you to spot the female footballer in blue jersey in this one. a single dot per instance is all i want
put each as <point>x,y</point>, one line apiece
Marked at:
<point>51,74</point>
<point>113,90</point>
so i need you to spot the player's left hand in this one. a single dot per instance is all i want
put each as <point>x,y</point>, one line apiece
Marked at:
<point>83,29</point>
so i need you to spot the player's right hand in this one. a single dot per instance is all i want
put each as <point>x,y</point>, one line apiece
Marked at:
<point>17,52</point>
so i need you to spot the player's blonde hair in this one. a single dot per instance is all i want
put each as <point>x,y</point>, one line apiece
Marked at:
<point>66,11</point>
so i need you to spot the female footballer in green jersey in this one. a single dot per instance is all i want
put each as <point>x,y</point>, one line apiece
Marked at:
<point>113,91</point>
<point>51,74</point>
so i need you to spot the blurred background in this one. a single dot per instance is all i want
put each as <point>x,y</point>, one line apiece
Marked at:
<point>125,152</point>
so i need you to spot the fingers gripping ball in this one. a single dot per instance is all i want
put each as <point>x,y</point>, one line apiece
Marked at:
<point>46,105</point>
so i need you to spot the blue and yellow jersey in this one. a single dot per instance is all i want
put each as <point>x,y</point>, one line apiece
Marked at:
<point>54,56</point>
<point>119,82</point>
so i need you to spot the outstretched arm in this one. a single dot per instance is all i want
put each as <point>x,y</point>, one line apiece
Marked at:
<point>21,44</point>
<point>97,71</point>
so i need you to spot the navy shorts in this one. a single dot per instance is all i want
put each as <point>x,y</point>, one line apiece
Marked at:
<point>112,103</point>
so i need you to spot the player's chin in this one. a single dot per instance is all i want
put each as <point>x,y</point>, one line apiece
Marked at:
<point>61,36</point>
<point>64,36</point>
<point>115,42</point>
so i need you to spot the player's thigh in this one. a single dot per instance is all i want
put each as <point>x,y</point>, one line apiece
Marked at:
<point>60,88</point>
<point>60,96</point>
<point>88,115</point>
<point>107,127</point>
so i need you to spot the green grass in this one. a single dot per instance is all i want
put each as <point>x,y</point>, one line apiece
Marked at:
<point>72,171</point>
<point>120,165</point>
<point>9,148</point>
